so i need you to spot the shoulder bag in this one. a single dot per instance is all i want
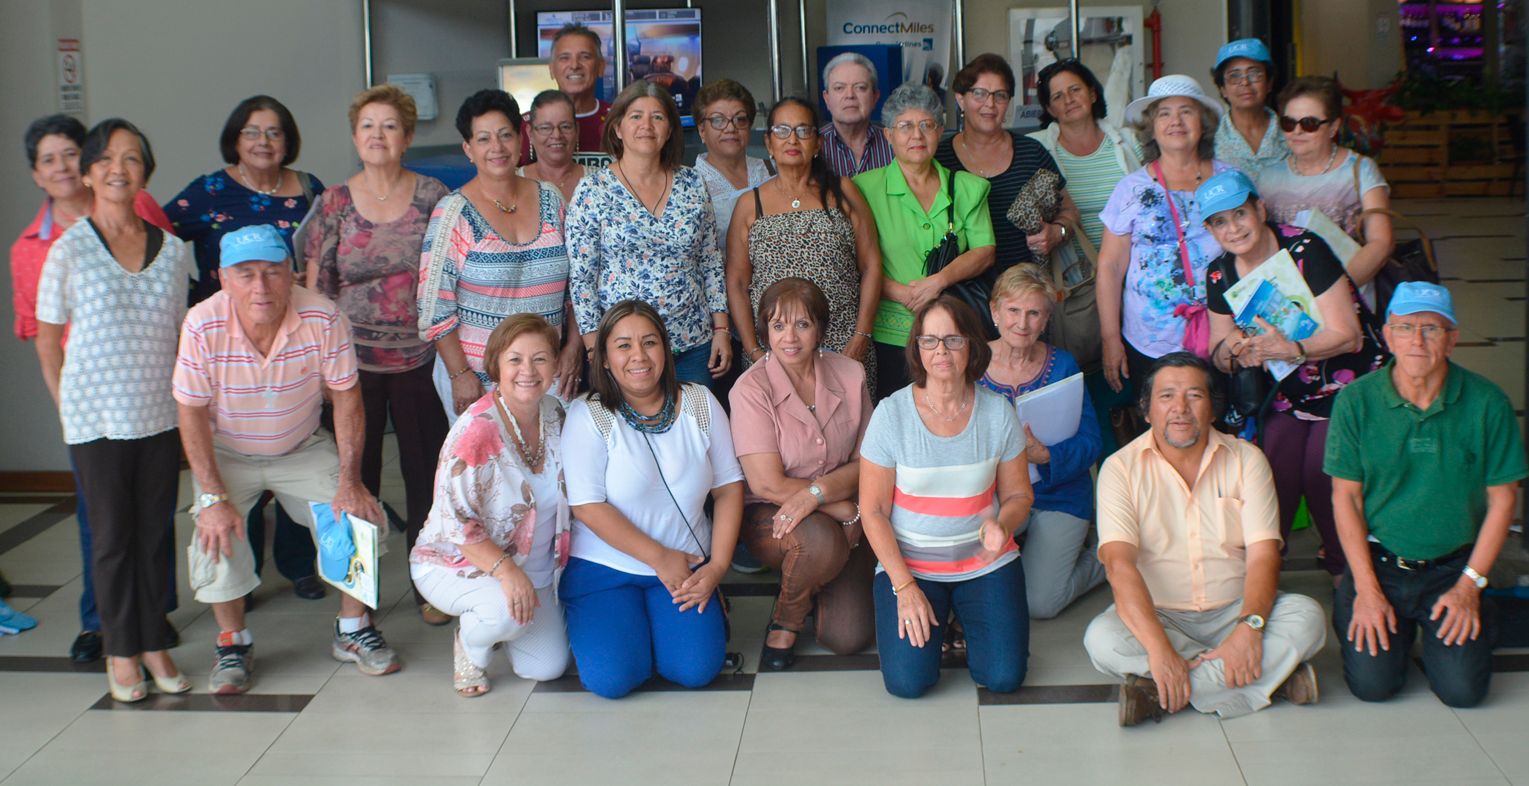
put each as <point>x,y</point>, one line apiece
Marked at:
<point>975,291</point>
<point>1412,260</point>
<point>1075,316</point>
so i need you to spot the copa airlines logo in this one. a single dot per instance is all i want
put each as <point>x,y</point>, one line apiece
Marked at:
<point>896,23</point>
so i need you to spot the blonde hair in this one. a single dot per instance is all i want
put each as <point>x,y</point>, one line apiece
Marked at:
<point>392,95</point>
<point>1021,280</point>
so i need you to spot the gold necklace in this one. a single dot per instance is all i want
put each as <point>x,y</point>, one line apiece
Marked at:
<point>500,205</point>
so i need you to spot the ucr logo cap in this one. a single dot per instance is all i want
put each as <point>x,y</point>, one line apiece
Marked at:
<point>260,242</point>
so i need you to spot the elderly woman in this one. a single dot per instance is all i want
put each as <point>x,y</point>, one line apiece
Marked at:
<point>497,537</point>
<point>259,142</point>
<point>120,283</point>
<point>554,137</point>
<point>798,416</point>
<point>484,260</point>
<point>1249,139</point>
<point>945,445</point>
<point>1347,346</point>
<point>1321,175</point>
<point>640,588</point>
<point>724,112</point>
<point>363,252</point>
<point>807,223</point>
<point>1006,159</point>
<point>644,229</point>
<point>1151,287</point>
<point>53,152</point>
<point>1058,567</point>
<point>913,201</point>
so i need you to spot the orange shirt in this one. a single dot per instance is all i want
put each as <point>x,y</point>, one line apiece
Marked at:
<point>1192,542</point>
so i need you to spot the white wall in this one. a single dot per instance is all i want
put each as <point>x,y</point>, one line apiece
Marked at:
<point>459,41</point>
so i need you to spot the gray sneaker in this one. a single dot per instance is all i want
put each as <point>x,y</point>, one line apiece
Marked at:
<point>367,649</point>
<point>231,674</point>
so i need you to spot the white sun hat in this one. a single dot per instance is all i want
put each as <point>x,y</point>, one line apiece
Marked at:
<point>1170,85</point>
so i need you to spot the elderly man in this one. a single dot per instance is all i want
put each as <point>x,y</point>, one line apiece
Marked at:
<point>851,145</point>
<point>1425,459</point>
<point>577,66</point>
<point>255,360</point>
<point>1189,537</point>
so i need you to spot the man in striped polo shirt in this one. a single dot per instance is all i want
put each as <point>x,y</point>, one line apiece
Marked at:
<point>255,360</point>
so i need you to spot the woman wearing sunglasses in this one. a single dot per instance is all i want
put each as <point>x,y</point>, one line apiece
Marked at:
<point>1250,138</point>
<point>1320,175</point>
<point>724,112</point>
<point>806,223</point>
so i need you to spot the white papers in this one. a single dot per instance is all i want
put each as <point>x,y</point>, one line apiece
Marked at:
<point>1052,412</point>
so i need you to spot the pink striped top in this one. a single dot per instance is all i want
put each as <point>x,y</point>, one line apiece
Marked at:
<point>263,406</point>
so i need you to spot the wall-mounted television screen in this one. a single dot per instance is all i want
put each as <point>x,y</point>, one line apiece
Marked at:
<point>663,45</point>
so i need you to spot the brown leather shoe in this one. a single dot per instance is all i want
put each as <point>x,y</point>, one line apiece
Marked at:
<point>433,615</point>
<point>1138,701</point>
<point>1300,687</point>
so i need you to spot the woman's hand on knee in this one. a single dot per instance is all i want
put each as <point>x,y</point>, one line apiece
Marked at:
<point>519,594</point>
<point>673,568</point>
<point>697,590</point>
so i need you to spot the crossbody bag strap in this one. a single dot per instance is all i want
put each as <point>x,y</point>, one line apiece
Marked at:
<point>1189,271</point>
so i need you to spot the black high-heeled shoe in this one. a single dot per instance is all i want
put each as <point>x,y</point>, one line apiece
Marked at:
<point>777,658</point>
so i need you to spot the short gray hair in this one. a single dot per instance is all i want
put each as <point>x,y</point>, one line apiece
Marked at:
<point>851,57</point>
<point>912,96</point>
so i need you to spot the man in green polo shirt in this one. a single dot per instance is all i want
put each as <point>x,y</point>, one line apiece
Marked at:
<point>1425,459</point>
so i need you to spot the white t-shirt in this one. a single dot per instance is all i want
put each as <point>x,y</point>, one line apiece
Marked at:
<point>622,472</point>
<point>540,562</point>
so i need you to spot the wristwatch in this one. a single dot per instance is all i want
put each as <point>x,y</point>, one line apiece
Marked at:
<point>817,492</point>
<point>1253,621</point>
<point>205,501</point>
<point>1480,580</point>
<point>1300,359</point>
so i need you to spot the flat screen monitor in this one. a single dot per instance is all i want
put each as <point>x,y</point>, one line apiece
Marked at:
<point>524,77</point>
<point>663,45</point>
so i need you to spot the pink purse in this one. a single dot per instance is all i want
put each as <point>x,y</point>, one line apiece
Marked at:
<point>1196,319</point>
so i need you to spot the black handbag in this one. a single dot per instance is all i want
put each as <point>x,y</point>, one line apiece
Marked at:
<point>1247,389</point>
<point>1412,260</point>
<point>975,292</point>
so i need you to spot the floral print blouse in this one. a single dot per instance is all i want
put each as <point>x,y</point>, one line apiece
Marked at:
<point>618,250</point>
<point>216,204</point>
<point>371,272</point>
<point>481,492</point>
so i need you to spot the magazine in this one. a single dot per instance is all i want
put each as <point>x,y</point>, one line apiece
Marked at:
<point>1285,314</point>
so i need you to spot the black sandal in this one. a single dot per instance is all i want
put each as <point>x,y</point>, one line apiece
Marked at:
<point>777,658</point>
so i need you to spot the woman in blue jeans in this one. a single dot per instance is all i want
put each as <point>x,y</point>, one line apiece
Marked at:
<point>639,591</point>
<point>943,486</point>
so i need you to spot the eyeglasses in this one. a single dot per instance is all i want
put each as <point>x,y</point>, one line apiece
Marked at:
<point>545,129</point>
<point>924,126</point>
<point>784,132</point>
<point>252,133</point>
<point>1404,330</point>
<point>1307,124</point>
<point>952,343</point>
<point>1251,76</point>
<point>981,96</point>
<point>719,122</point>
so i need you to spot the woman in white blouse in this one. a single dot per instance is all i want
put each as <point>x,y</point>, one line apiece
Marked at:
<point>640,589</point>
<point>120,284</point>
<point>497,536</point>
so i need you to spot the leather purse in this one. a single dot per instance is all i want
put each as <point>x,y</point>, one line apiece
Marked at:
<point>1075,316</point>
<point>975,292</point>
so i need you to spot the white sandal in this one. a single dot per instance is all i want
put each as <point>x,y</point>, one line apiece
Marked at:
<point>466,675</point>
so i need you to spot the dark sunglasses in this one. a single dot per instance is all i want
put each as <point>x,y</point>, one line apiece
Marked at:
<point>1307,124</point>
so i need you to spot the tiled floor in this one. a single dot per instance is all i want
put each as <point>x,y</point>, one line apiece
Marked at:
<point>315,721</point>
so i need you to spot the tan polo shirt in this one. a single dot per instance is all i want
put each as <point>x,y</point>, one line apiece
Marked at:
<point>1192,542</point>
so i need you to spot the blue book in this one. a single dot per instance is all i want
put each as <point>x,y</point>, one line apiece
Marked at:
<point>1283,313</point>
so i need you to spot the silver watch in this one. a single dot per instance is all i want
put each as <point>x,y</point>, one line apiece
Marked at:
<point>817,492</point>
<point>1253,621</point>
<point>1480,580</point>
<point>205,501</point>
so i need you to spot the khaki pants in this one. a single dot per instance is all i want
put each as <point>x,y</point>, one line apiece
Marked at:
<point>1294,632</point>
<point>310,472</point>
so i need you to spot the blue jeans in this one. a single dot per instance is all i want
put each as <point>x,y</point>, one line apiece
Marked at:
<point>692,365</point>
<point>992,609</point>
<point>622,626</point>
<point>1459,674</point>
<point>90,617</point>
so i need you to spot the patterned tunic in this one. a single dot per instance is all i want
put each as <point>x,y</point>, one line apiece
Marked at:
<point>470,278</point>
<point>1234,150</point>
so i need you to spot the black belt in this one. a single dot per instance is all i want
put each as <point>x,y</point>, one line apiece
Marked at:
<point>1419,564</point>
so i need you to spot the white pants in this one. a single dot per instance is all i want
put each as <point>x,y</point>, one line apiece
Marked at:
<point>538,650</point>
<point>1293,634</point>
<point>1058,568</point>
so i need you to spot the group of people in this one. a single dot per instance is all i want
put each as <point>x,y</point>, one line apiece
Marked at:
<point>654,372</point>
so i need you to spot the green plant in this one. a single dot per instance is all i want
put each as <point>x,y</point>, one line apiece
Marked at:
<point>1423,91</point>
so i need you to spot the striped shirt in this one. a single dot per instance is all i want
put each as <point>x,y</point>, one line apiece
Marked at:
<point>1029,157</point>
<point>263,406</point>
<point>841,159</point>
<point>481,278</point>
<point>1090,180</point>
<point>945,486</point>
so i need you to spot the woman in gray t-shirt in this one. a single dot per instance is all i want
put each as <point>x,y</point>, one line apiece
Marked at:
<point>943,487</point>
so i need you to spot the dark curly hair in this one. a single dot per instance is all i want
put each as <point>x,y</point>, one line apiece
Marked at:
<point>1076,68</point>
<point>481,103</point>
<point>63,125</point>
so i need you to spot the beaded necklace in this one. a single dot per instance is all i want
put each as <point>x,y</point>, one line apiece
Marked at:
<point>531,459</point>
<point>657,424</point>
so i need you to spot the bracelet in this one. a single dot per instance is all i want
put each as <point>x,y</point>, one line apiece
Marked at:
<point>497,563</point>
<point>464,370</point>
<point>852,522</point>
<point>896,590</point>
<point>867,335</point>
<point>756,349</point>
<point>720,328</point>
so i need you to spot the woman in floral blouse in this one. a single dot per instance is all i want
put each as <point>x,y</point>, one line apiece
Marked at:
<point>496,541</point>
<point>363,251</point>
<point>644,230</point>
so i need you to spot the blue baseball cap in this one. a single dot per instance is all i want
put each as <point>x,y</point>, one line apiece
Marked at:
<point>1251,48</point>
<point>260,242</point>
<point>1412,297</point>
<point>1225,191</point>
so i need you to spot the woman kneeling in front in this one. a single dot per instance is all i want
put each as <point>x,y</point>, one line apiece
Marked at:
<point>641,585</point>
<point>497,535</point>
<point>945,540</point>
